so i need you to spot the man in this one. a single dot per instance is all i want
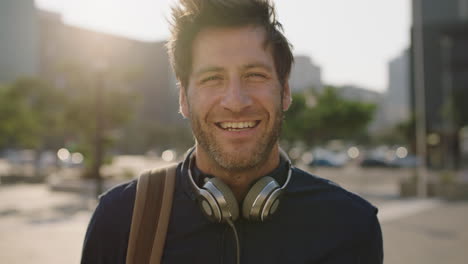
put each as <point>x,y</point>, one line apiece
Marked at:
<point>233,64</point>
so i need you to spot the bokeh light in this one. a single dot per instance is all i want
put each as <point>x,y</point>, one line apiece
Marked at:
<point>401,152</point>
<point>77,158</point>
<point>353,152</point>
<point>63,154</point>
<point>168,155</point>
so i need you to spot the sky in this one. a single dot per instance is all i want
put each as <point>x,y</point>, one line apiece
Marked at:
<point>352,41</point>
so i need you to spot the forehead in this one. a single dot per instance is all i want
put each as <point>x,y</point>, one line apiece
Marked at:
<point>230,47</point>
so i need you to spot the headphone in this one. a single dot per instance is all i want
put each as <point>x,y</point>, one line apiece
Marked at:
<point>219,204</point>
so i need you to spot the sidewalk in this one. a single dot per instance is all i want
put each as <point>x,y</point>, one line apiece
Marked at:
<point>435,236</point>
<point>39,226</point>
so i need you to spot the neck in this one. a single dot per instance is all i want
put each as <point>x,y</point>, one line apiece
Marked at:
<point>238,181</point>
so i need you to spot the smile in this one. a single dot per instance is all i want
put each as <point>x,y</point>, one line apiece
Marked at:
<point>237,126</point>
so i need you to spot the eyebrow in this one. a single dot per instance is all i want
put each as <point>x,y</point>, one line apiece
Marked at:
<point>208,69</point>
<point>244,67</point>
<point>258,65</point>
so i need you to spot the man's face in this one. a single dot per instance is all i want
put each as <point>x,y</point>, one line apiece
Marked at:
<point>234,99</point>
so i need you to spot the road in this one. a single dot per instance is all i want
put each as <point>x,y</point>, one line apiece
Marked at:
<point>40,226</point>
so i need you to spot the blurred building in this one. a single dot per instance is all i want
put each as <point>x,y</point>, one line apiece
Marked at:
<point>440,35</point>
<point>68,52</point>
<point>19,40</point>
<point>355,93</point>
<point>142,67</point>
<point>396,104</point>
<point>305,75</point>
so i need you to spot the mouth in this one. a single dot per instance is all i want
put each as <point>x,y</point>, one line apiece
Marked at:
<point>238,126</point>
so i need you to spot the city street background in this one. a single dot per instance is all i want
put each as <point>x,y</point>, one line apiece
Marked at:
<point>89,99</point>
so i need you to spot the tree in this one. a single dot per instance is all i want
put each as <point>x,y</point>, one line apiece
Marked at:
<point>340,118</point>
<point>31,114</point>
<point>98,108</point>
<point>15,121</point>
<point>332,117</point>
<point>299,120</point>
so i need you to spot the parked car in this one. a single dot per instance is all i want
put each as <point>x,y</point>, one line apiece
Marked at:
<point>326,158</point>
<point>409,161</point>
<point>374,163</point>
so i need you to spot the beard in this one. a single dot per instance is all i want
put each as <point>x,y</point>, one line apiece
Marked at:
<point>241,159</point>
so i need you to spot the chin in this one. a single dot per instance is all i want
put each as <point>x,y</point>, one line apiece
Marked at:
<point>238,159</point>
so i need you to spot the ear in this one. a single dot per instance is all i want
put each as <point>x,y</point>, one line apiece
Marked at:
<point>287,99</point>
<point>183,103</point>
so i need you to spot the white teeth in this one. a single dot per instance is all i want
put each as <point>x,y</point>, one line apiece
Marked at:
<point>237,125</point>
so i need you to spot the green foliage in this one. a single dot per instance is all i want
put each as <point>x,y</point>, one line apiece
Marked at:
<point>298,120</point>
<point>34,114</point>
<point>340,118</point>
<point>115,106</point>
<point>30,113</point>
<point>332,117</point>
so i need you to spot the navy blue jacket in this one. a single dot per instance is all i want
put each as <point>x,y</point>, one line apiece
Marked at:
<point>317,222</point>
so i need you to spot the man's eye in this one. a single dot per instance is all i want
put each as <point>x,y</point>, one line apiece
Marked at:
<point>210,79</point>
<point>256,76</point>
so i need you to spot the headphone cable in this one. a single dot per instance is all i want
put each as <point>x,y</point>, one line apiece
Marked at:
<point>231,224</point>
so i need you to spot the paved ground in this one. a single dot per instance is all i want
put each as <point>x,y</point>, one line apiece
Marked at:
<point>435,236</point>
<point>39,226</point>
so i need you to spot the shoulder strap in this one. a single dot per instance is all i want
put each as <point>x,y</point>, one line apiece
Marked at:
<point>151,212</point>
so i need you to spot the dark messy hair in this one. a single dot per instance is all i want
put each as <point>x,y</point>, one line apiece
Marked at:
<point>191,16</point>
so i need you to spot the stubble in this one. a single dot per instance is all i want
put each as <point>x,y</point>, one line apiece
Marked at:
<point>238,160</point>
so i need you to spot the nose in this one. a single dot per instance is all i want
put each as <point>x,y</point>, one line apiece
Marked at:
<point>236,98</point>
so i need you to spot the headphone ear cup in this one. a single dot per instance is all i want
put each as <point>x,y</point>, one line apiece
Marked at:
<point>254,201</point>
<point>224,197</point>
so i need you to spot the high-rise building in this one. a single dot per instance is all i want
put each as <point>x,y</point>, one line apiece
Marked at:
<point>19,40</point>
<point>397,105</point>
<point>439,59</point>
<point>305,75</point>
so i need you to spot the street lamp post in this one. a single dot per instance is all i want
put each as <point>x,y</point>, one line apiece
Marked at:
<point>420,104</point>
<point>98,136</point>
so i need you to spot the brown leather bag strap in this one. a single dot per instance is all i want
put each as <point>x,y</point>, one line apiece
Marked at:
<point>151,213</point>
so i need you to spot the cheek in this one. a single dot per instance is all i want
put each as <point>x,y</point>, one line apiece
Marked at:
<point>270,99</point>
<point>199,105</point>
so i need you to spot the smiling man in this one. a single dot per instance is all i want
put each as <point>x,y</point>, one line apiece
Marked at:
<point>237,197</point>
